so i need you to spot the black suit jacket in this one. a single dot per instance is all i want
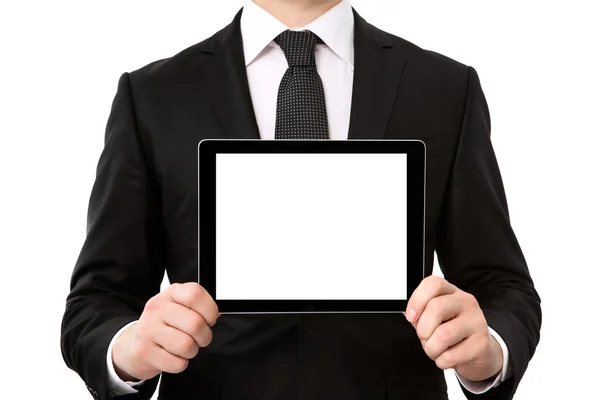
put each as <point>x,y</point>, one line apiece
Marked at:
<point>143,215</point>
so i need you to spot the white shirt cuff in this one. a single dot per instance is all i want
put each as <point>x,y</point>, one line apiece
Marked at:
<point>480,387</point>
<point>117,386</point>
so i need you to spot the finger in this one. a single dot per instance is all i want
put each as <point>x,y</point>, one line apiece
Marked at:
<point>162,360</point>
<point>187,321</point>
<point>194,296</point>
<point>438,310</point>
<point>174,341</point>
<point>445,336</point>
<point>430,287</point>
<point>461,353</point>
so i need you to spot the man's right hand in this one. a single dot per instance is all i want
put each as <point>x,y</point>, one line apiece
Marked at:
<point>172,327</point>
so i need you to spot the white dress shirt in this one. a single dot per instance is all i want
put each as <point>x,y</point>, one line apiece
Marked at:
<point>265,66</point>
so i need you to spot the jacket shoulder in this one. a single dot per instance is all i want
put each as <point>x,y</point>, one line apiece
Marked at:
<point>427,63</point>
<point>168,70</point>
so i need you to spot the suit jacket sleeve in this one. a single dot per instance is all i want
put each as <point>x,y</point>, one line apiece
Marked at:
<point>121,263</point>
<point>477,248</point>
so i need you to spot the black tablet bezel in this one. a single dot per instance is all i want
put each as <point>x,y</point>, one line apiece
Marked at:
<point>416,175</point>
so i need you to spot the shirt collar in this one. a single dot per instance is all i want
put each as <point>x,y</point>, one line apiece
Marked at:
<point>335,28</point>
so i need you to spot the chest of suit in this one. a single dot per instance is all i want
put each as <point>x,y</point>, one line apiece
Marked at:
<point>310,356</point>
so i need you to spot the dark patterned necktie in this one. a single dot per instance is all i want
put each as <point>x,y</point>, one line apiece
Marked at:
<point>301,112</point>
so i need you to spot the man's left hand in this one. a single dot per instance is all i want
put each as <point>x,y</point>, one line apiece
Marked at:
<point>453,329</point>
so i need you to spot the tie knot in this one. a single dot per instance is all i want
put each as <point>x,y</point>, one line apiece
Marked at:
<point>298,47</point>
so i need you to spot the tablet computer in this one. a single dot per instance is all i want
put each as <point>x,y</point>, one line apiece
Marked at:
<point>303,226</point>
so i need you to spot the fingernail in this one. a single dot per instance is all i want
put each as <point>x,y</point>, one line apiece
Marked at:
<point>410,315</point>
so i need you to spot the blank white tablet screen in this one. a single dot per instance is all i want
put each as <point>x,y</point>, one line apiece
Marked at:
<point>311,226</point>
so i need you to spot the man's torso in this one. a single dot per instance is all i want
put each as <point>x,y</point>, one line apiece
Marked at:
<point>400,92</point>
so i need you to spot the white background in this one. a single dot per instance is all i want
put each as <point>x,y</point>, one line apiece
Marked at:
<point>60,62</point>
<point>311,226</point>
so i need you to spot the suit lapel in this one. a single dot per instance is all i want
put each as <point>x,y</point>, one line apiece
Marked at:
<point>225,82</point>
<point>377,72</point>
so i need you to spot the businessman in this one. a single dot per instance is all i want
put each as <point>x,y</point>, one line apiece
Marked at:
<point>296,69</point>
